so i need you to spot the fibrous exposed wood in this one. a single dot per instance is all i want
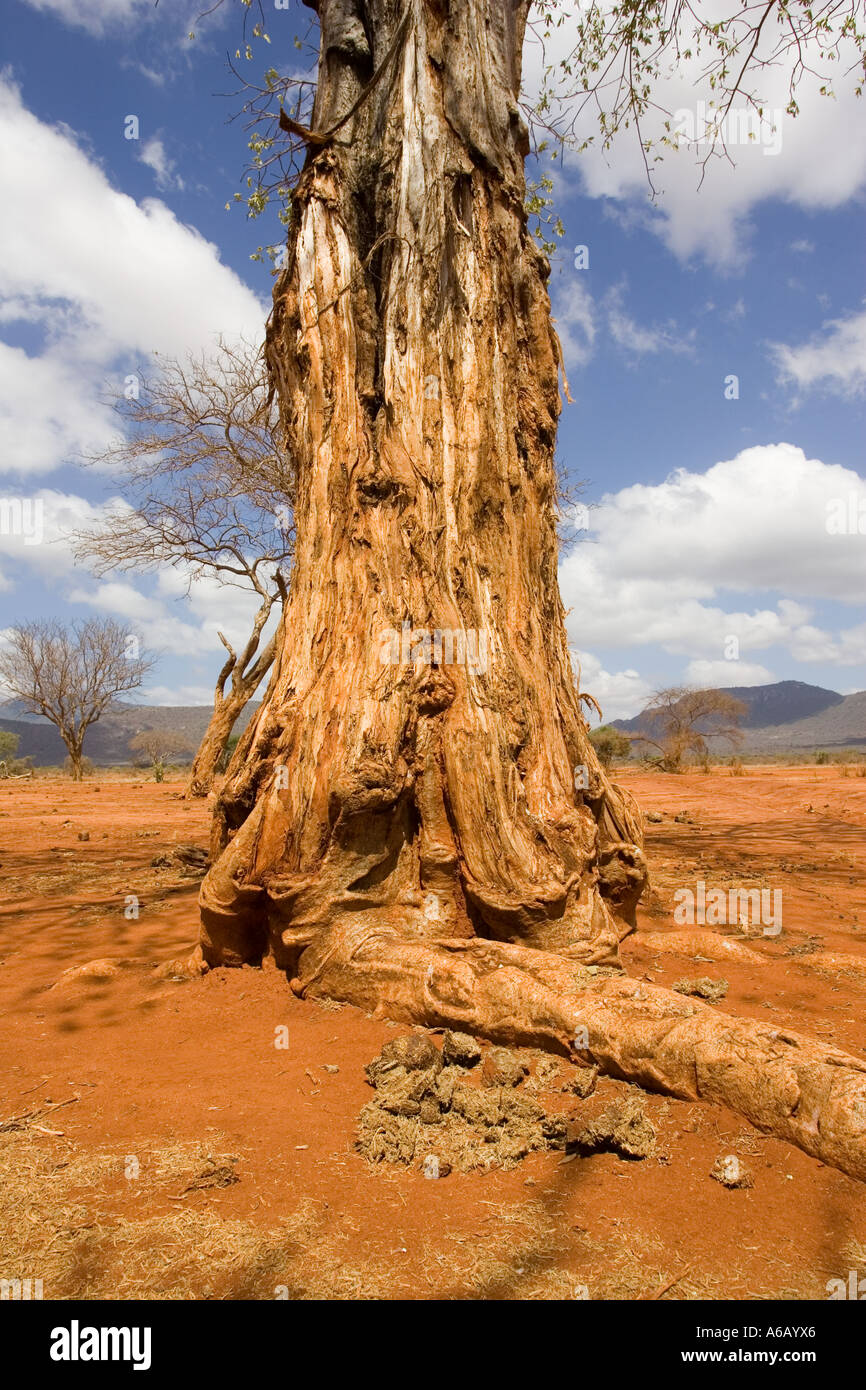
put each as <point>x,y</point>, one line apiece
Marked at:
<point>235,686</point>
<point>416,366</point>
<point>434,839</point>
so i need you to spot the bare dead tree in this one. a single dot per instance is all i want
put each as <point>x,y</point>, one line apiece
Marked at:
<point>680,720</point>
<point>155,746</point>
<point>71,675</point>
<point>208,489</point>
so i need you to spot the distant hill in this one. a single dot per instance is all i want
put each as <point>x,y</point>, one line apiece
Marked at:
<point>781,703</point>
<point>788,714</point>
<point>841,726</point>
<point>107,741</point>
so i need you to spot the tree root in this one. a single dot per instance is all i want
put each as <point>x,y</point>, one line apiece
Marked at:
<point>699,943</point>
<point>712,946</point>
<point>784,1084</point>
<point>834,962</point>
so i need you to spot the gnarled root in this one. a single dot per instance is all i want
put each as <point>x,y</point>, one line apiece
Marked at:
<point>710,945</point>
<point>784,1084</point>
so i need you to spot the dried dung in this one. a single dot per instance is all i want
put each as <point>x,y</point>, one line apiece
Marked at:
<point>704,987</point>
<point>623,1127</point>
<point>427,1108</point>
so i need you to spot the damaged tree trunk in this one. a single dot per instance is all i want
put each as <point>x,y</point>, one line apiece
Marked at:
<point>415,820</point>
<point>244,675</point>
<point>427,781</point>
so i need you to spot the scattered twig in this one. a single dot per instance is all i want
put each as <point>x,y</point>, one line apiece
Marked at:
<point>28,1117</point>
<point>665,1288</point>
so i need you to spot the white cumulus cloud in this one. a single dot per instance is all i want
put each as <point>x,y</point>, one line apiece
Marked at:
<point>661,564</point>
<point>108,281</point>
<point>620,694</point>
<point>155,156</point>
<point>833,360</point>
<point>98,17</point>
<point>810,161</point>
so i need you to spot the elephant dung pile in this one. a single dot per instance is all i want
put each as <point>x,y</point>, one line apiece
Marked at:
<point>445,1109</point>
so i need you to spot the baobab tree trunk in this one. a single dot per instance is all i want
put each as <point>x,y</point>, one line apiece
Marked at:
<point>430,838</point>
<point>417,370</point>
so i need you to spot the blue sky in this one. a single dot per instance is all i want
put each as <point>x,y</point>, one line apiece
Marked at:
<point>706,525</point>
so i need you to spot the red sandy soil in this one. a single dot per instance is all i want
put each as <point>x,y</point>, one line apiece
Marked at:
<point>155,1065</point>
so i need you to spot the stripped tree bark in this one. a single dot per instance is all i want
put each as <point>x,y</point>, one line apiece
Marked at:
<point>243,674</point>
<point>434,839</point>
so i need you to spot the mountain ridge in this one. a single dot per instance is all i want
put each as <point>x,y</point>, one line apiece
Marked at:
<point>107,741</point>
<point>792,715</point>
<point>786,714</point>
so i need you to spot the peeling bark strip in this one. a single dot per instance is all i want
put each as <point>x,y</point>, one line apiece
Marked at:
<point>410,836</point>
<point>416,365</point>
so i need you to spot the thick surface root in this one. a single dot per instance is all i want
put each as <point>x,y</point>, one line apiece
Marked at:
<point>710,945</point>
<point>784,1084</point>
<point>834,963</point>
